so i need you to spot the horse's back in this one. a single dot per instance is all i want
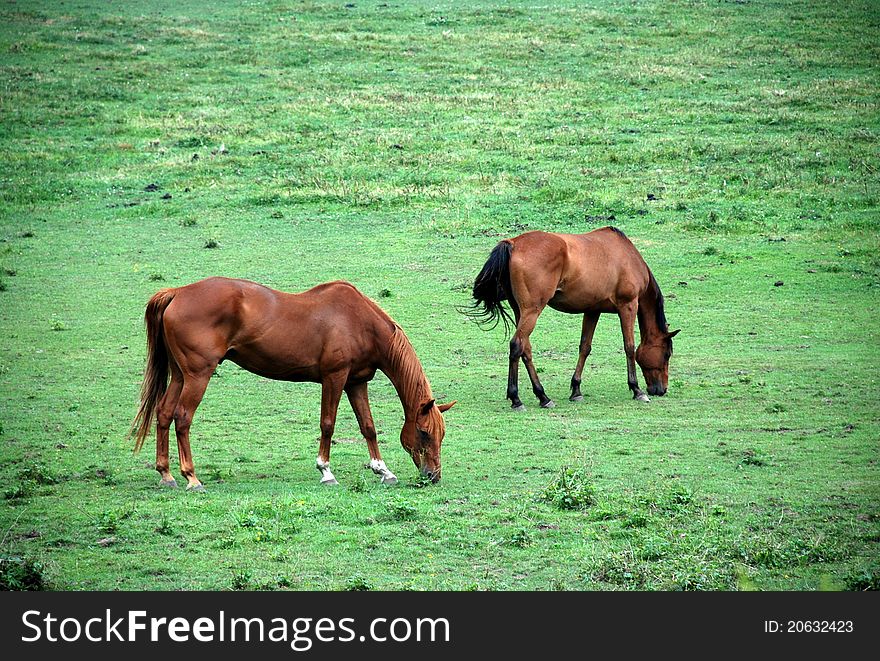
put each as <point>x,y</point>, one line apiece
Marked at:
<point>344,299</point>
<point>606,244</point>
<point>604,266</point>
<point>592,271</point>
<point>217,297</point>
<point>602,243</point>
<point>212,300</point>
<point>538,241</point>
<point>273,333</point>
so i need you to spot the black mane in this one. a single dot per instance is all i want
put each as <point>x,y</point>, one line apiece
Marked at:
<point>659,309</point>
<point>660,312</point>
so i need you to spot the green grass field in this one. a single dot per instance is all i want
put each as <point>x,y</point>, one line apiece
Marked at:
<point>393,144</point>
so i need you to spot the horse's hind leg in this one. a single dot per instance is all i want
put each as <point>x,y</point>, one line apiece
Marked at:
<point>331,392</point>
<point>194,386</point>
<point>164,417</point>
<point>627,315</point>
<point>360,404</point>
<point>587,330</point>
<point>196,363</point>
<point>521,347</point>
<point>513,364</point>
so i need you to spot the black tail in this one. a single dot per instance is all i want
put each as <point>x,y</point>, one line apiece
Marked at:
<point>492,288</point>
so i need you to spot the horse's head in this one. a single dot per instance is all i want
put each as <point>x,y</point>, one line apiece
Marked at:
<point>422,437</point>
<point>653,357</point>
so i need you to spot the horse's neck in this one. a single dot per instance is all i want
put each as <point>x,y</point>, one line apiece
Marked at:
<point>403,368</point>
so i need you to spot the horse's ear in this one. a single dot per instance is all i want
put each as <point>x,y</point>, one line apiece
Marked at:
<point>673,333</point>
<point>445,407</point>
<point>427,406</point>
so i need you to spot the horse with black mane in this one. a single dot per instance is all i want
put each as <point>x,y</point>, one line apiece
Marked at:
<point>331,334</point>
<point>600,271</point>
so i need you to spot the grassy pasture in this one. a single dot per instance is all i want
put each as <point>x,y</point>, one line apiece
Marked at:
<point>145,145</point>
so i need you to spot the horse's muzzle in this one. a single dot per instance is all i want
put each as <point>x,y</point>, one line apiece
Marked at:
<point>656,390</point>
<point>434,475</point>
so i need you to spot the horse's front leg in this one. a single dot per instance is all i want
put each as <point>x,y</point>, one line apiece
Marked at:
<point>360,404</point>
<point>331,392</point>
<point>627,315</point>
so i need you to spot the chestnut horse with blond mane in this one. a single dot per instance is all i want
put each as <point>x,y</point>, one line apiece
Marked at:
<point>588,274</point>
<point>331,334</point>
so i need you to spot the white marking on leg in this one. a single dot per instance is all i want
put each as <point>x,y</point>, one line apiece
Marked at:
<point>324,469</point>
<point>379,468</point>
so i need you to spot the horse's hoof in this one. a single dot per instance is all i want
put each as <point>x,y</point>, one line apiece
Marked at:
<point>168,484</point>
<point>195,487</point>
<point>391,480</point>
<point>521,407</point>
<point>642,397</point>
<point>329,483</point>
<point>576,398</point>
<point>549,404</point>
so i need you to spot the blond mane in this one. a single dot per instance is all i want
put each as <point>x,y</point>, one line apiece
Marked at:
<point>406,371</point>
